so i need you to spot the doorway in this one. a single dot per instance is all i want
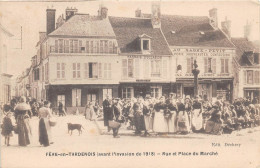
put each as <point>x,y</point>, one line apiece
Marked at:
<point>188,91</point>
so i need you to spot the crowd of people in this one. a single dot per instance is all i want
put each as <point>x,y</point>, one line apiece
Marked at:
<point>146,116</point>
<point>182,116</point>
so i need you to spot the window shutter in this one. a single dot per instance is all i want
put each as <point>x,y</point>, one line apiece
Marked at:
<point>78,70</point>
<point>146,66</point>
<point>226,66</point>
<point>86,71</point>
<point>58,70</point>
<point>214,65</point>
<point>63,70</point>
<point>245,77</point>
<point>99,70</point>
<point>188,65</point>
<point>136,67</point>
<point>56,46</point>
<point>222,66</point>
<point>164,69</point>
<point>206,65</point>
<point>124,68</point>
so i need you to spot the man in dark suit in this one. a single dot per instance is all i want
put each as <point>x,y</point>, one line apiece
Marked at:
<point>107,110</point>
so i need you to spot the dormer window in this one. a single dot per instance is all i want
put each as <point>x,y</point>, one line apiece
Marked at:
<point>145,42</point>
<point>146,45</point>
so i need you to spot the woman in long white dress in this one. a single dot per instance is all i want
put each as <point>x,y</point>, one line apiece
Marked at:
<point>160,122</point>
<point>197,119</point>
<point>182,119</point>
<point>45,138</point>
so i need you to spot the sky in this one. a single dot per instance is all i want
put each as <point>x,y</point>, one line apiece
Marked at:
<point>32,17</point>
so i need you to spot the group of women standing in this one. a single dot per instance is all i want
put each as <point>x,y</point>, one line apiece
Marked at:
<point>23,114</point>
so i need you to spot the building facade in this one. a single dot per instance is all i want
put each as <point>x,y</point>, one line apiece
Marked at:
<point>5,78</point>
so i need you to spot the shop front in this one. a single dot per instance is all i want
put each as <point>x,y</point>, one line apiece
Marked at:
<point>75,97</point>
<point>252,92</point>
<point>207,88</point>
<point>155,90</point>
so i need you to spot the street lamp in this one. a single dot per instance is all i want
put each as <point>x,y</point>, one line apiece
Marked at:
<point>195,72</point>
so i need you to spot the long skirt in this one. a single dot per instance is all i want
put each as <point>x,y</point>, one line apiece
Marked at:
<point>139,122</point>
<point>172,122</point>
<point>148,120</point>
<point>23,129</point>
<point>44,132</point>
<point>197,120</point>
<point>183,122</point>
<point>160,122</point>
<point>90,114</point>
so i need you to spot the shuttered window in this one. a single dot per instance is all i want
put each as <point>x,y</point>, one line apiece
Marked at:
<point>164,73</point>
<point>136,68</point>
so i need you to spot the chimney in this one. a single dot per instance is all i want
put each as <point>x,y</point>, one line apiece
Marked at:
<point>102,12</point>
<point>50,26</point>
<point>42,35</point>
<point>156,15</point>
<point>70,12</point>
<point>138,13</point>
<point>213,17</point>
<point>226,27</point>
<point>247,31</point>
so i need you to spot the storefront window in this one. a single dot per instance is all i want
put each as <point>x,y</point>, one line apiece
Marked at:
<point>107,92</point>
<point>156,92</point>
<point>61,98</point>
<point>127,92</point>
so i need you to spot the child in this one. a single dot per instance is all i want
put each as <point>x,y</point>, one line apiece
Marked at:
<point>7,128</point>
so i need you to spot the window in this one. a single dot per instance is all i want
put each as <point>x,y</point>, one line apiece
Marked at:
<point>98,46</point>
<point>36,74</point>
<point>61,98</point>
<point>107,70</point>
<point>256,58</point>
<point>127,92</point>
<point>67,47</point>
<point>156,92</point>
<point>256,77</point>
<point>71,46</point>
<point>110,47</point>
<point>128,68</point>
<point>189,64</point>
<point>224,66</point>
<point>60,46</point>
<point>95,47</point>
<point>156,68</point>
<point>101,47</point>
<point>76,46</point>
<point>93,70</point>
<point>146,45</point>
<point>76,70</point>
<point>81,49</point>
<point>60,70</point>
<point>56,46</point>
<point>106,47</point>
<point>107,92</point>
<point>91,46</point>
<point>87,46</point>
<point>47,71</point>
<point>210,65</point>
<point>249,77</point>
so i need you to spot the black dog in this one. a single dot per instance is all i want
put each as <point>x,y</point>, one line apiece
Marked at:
<point>71,127</point>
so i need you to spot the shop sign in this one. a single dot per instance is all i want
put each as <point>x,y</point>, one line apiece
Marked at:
<point>143,80</point>
<point>144,57</point>
<point>201,52</point>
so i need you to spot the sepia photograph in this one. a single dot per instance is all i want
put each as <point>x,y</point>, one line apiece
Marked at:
<point>130,84</point>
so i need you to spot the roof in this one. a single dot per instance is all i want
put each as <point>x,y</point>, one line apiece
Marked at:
<point>84,25</point>
<point>245,51</point>
<point>6,31</point>
<point>187,32</point>
<point>129,30</point>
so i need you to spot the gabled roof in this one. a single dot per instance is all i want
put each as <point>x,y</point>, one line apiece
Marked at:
<point>84,25</point>
<point>244,51</point>
<point>188,32</point>
<point>128,30</point>
<point>5,31</point>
